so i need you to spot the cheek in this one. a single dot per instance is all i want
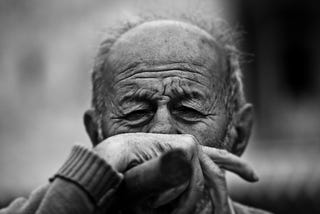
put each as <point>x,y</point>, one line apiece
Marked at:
<point>210,132</point>
<point>112,127</point>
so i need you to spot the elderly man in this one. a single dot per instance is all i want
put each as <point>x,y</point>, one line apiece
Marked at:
<point>158,86</point>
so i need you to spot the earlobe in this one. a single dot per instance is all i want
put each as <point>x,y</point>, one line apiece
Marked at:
<point>243,126</point>
<point>90,120</point>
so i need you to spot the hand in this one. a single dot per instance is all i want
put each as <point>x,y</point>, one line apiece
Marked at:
<point>127,150</point>
<point>211,159</point>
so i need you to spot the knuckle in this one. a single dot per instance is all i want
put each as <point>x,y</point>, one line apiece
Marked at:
<point>190,141</point>
<point>219,173</point>
<point>163,147</point>
<point>223,152</point>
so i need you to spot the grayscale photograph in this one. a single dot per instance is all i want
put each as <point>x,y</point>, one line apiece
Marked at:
<point>159,107</point>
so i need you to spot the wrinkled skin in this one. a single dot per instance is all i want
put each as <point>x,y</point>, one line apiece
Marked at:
<point>166,80</point>
<point>167,77</point>
<point>122,150</point>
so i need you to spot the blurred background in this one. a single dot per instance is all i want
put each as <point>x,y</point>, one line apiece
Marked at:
<point>46,52</point>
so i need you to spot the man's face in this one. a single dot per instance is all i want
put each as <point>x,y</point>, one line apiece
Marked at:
<point>166,77</point>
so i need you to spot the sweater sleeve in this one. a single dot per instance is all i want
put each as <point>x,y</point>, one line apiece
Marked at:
<point>84,184</point>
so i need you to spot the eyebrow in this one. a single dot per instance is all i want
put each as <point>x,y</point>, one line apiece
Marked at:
<point>137,95</point>
<point>188,93</point>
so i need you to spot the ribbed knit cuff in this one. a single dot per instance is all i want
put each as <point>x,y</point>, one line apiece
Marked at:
<point>90,172</point>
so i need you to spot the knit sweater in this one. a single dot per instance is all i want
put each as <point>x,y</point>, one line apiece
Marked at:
<point>85,184</point>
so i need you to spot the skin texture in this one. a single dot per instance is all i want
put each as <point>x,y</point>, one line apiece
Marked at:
<point>206,186</point>
<point>167,77</point>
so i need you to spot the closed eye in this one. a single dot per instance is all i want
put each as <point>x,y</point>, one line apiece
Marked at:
<point>187,113</point>
<point>137,115</point>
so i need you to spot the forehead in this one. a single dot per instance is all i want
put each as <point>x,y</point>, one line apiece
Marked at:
<point>161,46</point>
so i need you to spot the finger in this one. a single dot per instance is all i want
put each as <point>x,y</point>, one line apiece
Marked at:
<point>215,180</point>
<point>188,201</point>
<point>154,176</point>
<point>231,162</point>
<point>168,196</point>
<point>185,142</point>
<point>147,146</point>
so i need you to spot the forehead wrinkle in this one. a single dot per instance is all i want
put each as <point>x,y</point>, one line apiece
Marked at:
<point>166,75</point>
<point>143,78</point>
<point>176,85</point>
<point>159,43</point>
<point>138,69</point>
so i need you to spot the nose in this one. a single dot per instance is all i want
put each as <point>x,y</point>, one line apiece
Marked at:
<point>162,122</point>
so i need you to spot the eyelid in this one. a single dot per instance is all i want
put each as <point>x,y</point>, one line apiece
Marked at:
<point>134,108</point>
<point>138,111</point>
<point>140,119</point>
<point>189,119</point>
<point>194,104</point>
<point>192,114</point>
<point>193,108</point>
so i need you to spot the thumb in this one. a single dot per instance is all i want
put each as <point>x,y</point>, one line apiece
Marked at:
<point>157,175</point>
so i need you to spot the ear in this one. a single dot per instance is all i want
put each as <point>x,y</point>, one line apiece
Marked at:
<point>90,119</point>
<point>243,125</point>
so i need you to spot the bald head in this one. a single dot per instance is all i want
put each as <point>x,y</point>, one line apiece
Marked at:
<point>164,42</point>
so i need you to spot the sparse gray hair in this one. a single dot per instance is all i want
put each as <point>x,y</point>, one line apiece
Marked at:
<point>233,95</point>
